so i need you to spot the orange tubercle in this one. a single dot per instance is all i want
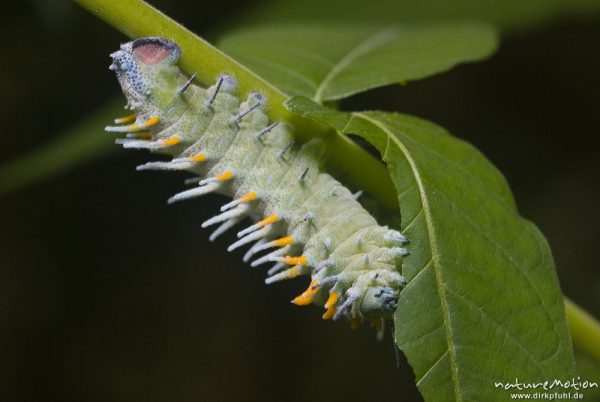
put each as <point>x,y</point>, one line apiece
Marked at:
<point>248,197</point>
<point>153,120</point>
<point>172,141</point>
<point>283,241</point>
<point>226,175</point>
<point>378,324</point>
<point>306,297</point>
<point>293,272</point>
<point>295,260</point>
<point>329,313</point>
<point>268,220</point>
<point>126,119</point>
<point>198,158</point>
<point>302,300</point>
<point>330,305</point>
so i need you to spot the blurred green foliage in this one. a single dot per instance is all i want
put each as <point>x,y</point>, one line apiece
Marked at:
<point>92,311</point>
<point>479,305</point>
<point>508,15</point>
<point>82,143</point>
<point>329,62</point>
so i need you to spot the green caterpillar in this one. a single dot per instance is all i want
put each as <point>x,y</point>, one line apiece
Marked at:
<point>316,225</point>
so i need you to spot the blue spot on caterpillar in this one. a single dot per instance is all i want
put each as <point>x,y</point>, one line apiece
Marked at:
<point>315,225</point>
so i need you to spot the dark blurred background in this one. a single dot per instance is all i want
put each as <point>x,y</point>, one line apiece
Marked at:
<point>107,294</point>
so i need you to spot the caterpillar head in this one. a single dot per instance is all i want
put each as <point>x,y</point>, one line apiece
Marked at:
<point>143,66</point>
<point>379,301</point>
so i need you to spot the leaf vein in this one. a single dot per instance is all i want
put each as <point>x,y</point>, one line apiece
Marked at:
<point>434,250</point>
<point>418,274</point>
<point>409,224</point>
<point>506,254</point>
<point>370,43</point>
<point>432,367</point>
<point>499,327</point>
<point>461,168</point>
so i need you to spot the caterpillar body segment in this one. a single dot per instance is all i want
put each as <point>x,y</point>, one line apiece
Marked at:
<point>305,222</point>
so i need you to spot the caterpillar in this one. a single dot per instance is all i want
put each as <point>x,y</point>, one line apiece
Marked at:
<point>304,221</point>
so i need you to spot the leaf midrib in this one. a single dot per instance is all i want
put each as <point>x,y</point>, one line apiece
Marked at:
<point>420,182</point>
<point>433,244</point>
<point>371,42</point>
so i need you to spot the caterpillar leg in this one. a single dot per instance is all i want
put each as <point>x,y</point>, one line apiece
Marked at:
<point>126,119</point>
<point>307,296</point>
<point>271,257</point>
<point>132,128</point>
<point>254,249</point>
<point>330,305</point>
<point>172,165</point>
<point>225,226</point>
<point>276,268</point>
<point>259,234</point>
<point>281,242</point>
<point>262,223</point>
<point>238,212</point>
<point>251,196</point>
<point>132,143</point>
<point>291,273</point>
<point>195,192</point>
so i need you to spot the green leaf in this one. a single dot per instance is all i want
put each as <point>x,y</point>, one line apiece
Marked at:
<point>482,303</point>
<point>80,144</point>
<point>333,61</point>
<point>506,14</point>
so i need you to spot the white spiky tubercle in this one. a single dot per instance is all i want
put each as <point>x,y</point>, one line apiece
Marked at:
<point>307,222</point>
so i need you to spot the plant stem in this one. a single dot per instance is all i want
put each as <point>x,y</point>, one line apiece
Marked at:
<point>585,329</point>
<point>135,18</point>
<point>75,146</point>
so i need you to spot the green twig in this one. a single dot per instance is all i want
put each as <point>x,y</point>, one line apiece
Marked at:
<point>136,18</point>
<point>78,145</point>
<point>585,330</point>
